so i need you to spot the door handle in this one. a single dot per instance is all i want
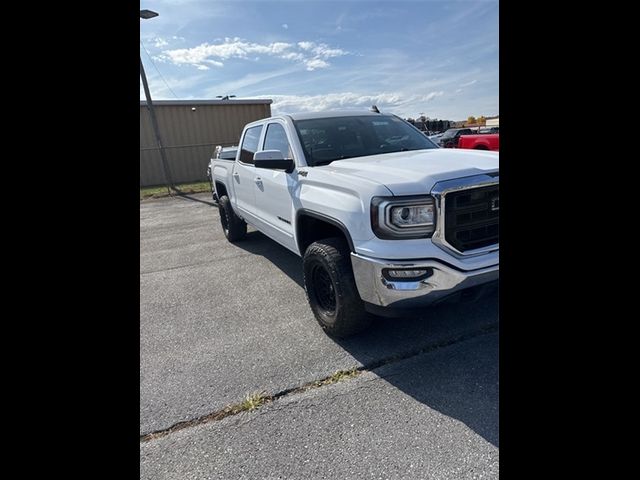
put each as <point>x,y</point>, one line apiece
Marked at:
<point>236,175</point>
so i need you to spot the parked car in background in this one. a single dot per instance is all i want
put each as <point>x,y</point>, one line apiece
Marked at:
<point>436,138</point>
<point>489,141</point>
<point>225,153</point>
<point>450,138</point>
<point>429,135</point>
<point>489,130</point>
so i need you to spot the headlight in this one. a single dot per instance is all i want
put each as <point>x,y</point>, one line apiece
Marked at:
<point>412,215</point>
<point>403,217</point>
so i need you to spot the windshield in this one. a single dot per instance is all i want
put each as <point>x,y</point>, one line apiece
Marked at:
<point>325,140</point>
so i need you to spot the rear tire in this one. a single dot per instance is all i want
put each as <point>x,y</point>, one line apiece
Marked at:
<point>234,227</point>
<point>331,288</point>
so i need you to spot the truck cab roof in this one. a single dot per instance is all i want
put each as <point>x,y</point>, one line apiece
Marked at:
<point>314,115</point>
<point>335,113</point>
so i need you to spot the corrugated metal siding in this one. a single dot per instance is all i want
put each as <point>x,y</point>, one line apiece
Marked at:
<point>189,137</point>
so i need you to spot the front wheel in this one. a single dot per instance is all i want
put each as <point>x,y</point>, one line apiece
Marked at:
<point>233,226</point>
<point>331,288</point>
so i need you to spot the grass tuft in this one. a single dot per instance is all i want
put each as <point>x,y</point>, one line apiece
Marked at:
<point>253,401</point>
<point>338,376</point>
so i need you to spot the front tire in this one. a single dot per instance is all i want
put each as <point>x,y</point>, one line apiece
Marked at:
<point>234,227</point>
<point>331,288</point>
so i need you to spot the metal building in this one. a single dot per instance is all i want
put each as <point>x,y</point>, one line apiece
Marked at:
<point>493,122</point>
<point>190,130</point>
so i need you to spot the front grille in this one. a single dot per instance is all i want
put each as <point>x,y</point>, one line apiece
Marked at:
<point>472,218</point>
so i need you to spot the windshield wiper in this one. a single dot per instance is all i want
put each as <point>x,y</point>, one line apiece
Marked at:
<point>401,149</point>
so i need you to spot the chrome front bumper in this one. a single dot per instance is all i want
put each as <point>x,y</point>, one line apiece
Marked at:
<point>444,281</point>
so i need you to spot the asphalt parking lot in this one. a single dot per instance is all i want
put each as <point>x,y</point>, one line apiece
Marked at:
<point>220,321</point>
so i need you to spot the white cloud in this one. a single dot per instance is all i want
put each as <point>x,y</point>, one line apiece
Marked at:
<point>214,63</point>
<point>285,26</point>
<point>431,96</point>
<point>459,90</point>
<point>310,54</point>
<point>201,67</point>
<point>306,45</point>
<point>468,83</point>
<point>347,101</point>
<point>160,58</point>
<point>321,50</point>
<point>160,42</point>
<point>324,51</point>
<point>273,48</point>
<point>315,63</point>
<point>293,56</point>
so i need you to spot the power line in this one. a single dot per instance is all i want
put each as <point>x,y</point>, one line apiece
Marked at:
<point>157,70</point>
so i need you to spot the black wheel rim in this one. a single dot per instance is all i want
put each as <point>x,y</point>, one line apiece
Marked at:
<point>224,219</point>
<point>324,289</point>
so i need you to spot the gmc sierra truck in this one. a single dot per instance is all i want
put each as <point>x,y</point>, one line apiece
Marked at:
<point>385,222</point>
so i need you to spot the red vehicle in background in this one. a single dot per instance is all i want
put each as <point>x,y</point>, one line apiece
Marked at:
<point>483,141</point>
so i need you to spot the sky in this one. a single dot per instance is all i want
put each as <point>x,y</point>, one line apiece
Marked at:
<point>437,58</point>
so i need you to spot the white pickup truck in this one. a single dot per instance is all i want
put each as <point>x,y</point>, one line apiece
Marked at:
<point>385,221</point>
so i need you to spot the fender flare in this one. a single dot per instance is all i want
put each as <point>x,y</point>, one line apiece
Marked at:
<point>325,218</point>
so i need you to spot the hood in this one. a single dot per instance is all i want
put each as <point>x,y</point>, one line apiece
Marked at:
<point>415,172</point>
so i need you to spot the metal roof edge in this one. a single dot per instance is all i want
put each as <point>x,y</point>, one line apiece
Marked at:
<point>259,101</point>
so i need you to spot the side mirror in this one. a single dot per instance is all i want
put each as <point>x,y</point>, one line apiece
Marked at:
<point>273,160</point>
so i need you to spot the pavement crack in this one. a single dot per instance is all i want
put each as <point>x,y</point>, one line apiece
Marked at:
<point>492,328</point>
<point>254,401</point>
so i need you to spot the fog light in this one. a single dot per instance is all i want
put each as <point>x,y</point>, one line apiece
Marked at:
<point>407,274</point>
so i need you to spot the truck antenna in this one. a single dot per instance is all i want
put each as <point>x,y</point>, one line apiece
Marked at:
<point>374,109</point>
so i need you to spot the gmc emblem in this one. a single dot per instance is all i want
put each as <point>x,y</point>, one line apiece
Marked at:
<point>495,204</point>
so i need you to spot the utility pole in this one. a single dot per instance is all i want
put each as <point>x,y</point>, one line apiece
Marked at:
<point>154,122</point>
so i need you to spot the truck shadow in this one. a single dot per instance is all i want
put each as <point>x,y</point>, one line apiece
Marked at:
<point>185,196</point>
<point>446,358</point>
<point>259,244</point>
